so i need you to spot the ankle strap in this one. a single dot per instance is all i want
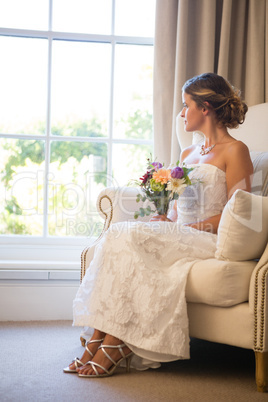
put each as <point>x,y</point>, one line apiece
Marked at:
<point>119,347</point>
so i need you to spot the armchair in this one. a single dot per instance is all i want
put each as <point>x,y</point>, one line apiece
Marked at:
<point>227,300</point>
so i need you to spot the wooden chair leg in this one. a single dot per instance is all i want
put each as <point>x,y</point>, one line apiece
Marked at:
<point>261,371</point>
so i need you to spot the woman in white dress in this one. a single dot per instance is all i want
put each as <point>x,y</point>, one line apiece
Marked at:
<point>133,293</point>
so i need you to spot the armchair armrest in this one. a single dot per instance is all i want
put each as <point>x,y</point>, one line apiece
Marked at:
<point>258,303</point>
<point>114,204</point>
<point>118,204</point>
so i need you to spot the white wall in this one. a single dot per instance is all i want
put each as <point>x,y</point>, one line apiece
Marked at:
<point>28,301</point>
<point>27,295</point>
<point>39,282</point>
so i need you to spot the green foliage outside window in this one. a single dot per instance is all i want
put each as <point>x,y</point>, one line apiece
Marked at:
<point>20,155</point>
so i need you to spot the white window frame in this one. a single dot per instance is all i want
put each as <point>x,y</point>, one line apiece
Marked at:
<point>60,253</point>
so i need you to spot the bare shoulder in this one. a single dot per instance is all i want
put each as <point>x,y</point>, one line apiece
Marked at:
<point>239,167</point>
<point>187,151</point>
<point>237,145</point>
<point>238,151</point>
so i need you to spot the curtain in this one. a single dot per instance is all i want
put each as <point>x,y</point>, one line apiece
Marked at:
<point>228,37</point>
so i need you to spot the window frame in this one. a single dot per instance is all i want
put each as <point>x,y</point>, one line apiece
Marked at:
<point>39,246</point>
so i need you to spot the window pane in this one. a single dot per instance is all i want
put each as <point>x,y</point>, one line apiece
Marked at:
<point>24,14</point>
<point>78,102</point>
<point>133,92</point>
<point>135,17</point>
<point>129,162</point>
<point>77,175</point>
<point>21,186</point>
<point>85,16</point>
<point>23,83</point>
<point>80,88</point>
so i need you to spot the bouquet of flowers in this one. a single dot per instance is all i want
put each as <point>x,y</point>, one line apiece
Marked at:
<point>160,186</point>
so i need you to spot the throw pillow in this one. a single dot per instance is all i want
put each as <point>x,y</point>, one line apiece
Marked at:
<point>243,228</point>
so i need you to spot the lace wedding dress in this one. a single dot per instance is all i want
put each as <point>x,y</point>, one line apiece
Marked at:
<point>134,287</point>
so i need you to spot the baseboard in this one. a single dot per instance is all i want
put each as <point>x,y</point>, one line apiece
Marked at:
<point>30,301</point>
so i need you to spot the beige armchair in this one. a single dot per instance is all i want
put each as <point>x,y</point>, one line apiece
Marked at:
<point>227,299</point>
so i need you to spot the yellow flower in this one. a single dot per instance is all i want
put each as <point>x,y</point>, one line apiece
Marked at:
<point>176,186</point>
<point>162,176</point>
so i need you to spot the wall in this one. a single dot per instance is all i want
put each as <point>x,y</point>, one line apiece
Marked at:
<point>38,282</point>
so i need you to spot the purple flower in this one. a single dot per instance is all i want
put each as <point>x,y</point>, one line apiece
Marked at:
<point>177,172</point>
<point>157,165</point>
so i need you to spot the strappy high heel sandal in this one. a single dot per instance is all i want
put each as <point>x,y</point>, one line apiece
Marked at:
<point>77,361</point>
<point>115,364</point>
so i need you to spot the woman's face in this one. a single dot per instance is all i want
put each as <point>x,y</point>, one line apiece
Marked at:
<point>191,113</point>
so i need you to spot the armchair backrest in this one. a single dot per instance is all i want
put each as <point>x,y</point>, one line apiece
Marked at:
<point>254,131</point>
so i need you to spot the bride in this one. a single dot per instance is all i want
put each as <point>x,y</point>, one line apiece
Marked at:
<point>133,293</point>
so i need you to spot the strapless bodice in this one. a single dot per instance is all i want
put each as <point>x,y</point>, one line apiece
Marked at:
<point>206,197</point>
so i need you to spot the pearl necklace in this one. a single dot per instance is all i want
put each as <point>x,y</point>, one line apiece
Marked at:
<point>204,151</point>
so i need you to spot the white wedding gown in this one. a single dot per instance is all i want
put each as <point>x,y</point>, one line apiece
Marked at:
<point>134,287</point>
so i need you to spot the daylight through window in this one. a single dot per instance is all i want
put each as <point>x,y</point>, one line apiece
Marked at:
<point>76,110</point>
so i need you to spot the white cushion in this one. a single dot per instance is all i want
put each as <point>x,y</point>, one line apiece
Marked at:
<point>243,228</point>
<point>219,283</point>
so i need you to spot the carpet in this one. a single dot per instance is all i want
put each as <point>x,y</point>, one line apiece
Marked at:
<point>33,355</point>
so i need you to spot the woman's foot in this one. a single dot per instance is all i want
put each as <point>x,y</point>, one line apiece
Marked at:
<point>102,360</point>
<point>90,349</point>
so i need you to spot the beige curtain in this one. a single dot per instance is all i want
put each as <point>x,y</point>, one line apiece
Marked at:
<point>228,37</point>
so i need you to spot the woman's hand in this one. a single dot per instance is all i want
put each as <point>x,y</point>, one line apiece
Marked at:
<point>162,218</point>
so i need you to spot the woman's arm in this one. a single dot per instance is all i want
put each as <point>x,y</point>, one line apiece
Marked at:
<point>207,225</point>
<point>239,168</point>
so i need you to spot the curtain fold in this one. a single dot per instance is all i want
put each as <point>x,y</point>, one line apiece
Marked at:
<point>228,37</point>
<point>164,76</point>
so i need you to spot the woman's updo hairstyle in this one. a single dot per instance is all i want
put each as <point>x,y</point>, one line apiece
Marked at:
<point>220,96</point>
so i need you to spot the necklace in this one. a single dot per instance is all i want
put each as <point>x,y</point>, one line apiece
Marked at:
<point>204,151</point>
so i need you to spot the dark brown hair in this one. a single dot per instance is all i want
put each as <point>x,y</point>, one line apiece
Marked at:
<point>220,96</point>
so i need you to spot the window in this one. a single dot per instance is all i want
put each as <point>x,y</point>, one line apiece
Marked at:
<point>76,111</point>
